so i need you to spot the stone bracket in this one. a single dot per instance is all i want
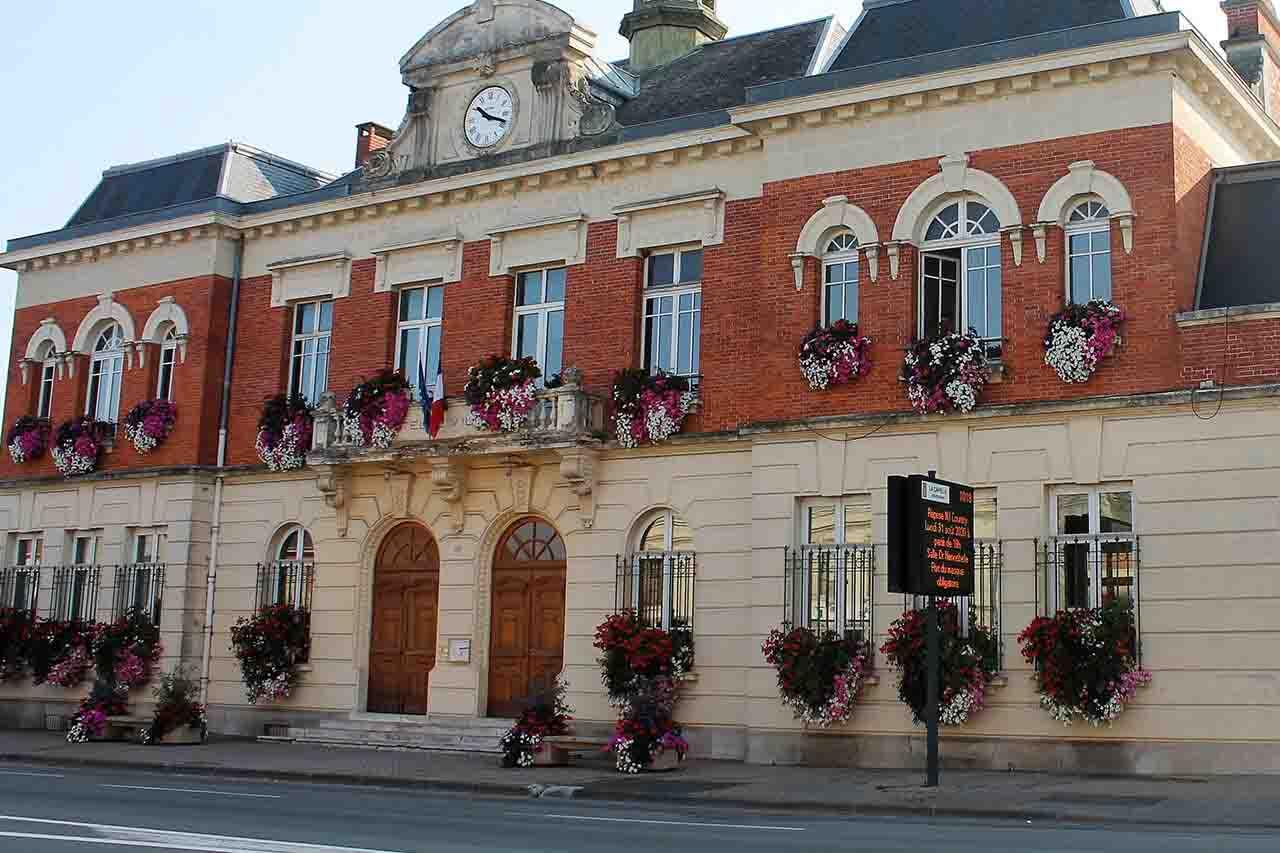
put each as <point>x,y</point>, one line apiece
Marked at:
<point>400,491</point>
<point>578,469</point>
<point>334,484</point>
<point>449,480</point>
<point>1015,240</point>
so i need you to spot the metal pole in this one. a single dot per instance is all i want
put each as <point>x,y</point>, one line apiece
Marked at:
<point>931,707</point>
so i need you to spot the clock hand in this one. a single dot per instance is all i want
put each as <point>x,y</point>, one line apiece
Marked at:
<point>490,117</point>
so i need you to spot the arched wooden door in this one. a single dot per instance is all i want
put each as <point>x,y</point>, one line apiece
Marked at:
<point>406,594</point>
<point>526,645</point>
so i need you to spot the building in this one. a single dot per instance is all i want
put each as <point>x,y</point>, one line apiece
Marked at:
<point>696,207</point>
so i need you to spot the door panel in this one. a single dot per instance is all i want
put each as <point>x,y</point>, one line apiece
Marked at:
<point>405,604</point>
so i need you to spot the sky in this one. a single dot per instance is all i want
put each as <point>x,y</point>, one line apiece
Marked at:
<point>88,85</point>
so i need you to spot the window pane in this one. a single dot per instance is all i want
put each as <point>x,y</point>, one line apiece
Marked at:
<point>1080,275</point>
<point>435,303</point>
<point>527,335</point>
<point>691,266</point>
<point>835,303</point>
<point>662,270</point>
<point>555,285</point>
<point>555,343</point>
<point>1073,514</point>
<point>655,537</point>
<point>1115,512</point>
<point>994,300</point>
<point>835,273</point>
<point>326,316</point>
<point>322,374</point>
<point>697,332</point>
<point>851,292</point>
<point>433,353</point>
<point>1079,243</point>
<point>305,318</point>
<point>950,306</point>
<point>984,518</point>
<point>684,338</point>
<point>681,535</point>
<point>1102,276</point>
<point>932,304</point>
<point>409,339</point>
<point>857,521</point>
<point>411,303</point>
<point>821,527</point>
<point>529,288</point>
<point>1101,241</point>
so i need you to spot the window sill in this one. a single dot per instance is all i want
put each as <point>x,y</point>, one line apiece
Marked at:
<point>997,372</point>
<point>304,667</point>
<point>689,678</point>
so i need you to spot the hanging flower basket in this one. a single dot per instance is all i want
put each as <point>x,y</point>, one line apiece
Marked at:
<point>376,410</point>
<point>1086,662</point>
<point>819,677</point>
<point>270,645</point>
<point>28,439</point>
<point>946,373</point>
<point>149,423</point>
<point>501,392</point>
<point>968,663</point>
<point>649,408</point>
<point>1080,336</point>
<point>126,650</point>
<point>284,432</point>
<point>545,715</point>
<point>834,355</point>
<point>52,643</point>
<point>78,444</point>
<point>646,732</point>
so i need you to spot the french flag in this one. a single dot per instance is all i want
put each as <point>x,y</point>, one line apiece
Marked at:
<point>431,395</point>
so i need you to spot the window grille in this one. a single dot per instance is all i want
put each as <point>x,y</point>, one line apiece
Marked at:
<point>986,602</point>
<point>75,593</point>
<point>139,589</point>
<point>1090,570</point>
<point>20,587</point>
<point>831,588</point>
<point>658,587</point>
<point>286,582</point>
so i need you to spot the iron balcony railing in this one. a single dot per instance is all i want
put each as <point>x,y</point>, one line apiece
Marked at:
<point>286,582</point>
<point>75,593</point>
<point>984,607</point>
<point>658,587</point>
<point>1085,571</point>
<point>139,589</point>
<point>831,588</point>
<point>20,588</point>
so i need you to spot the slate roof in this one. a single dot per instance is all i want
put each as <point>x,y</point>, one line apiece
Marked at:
<point>716,75</point>
<point>232,171</point>
<point>896,29</point>
<point>1239,260</point>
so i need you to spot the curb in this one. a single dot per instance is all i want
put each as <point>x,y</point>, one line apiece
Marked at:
<point>527,789</point>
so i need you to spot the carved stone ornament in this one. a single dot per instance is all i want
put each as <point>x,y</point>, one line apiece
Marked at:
<point>578,469</point>
<point>485,65</point>
<point>331,481</point>
<point>379,165</point>
<point>399,490</point>
<point>449,481</point>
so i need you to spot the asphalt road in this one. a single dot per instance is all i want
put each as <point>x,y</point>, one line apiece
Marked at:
<point>76,810</point>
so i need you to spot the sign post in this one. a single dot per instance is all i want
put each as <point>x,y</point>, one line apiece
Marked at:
<point>931,554</point>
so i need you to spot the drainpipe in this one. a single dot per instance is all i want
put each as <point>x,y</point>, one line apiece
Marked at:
<point>224,416</point>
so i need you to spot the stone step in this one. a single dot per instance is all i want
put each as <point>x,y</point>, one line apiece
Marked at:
<point>397,740</point>
<point>495,728</point>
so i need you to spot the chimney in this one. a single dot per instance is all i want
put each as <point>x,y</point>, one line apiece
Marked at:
<point>1253,48</point>
<point>370,137</point>
<point>664,30</point>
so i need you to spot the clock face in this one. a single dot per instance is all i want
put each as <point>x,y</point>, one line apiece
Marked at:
<point>489,117</point>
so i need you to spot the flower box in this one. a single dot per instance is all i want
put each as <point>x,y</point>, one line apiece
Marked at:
<point>664,762</point>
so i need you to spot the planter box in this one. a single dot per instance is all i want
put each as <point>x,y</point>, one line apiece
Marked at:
<point>183,736</point>
<point>664,762</point>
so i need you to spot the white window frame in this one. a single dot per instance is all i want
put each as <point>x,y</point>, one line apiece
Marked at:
<point>93,539</point>
<point>323,350</point>
<point>82,571</point>
<point>543,310</point>
<point>106,364</point>
<point>423,326</point>
<point>34,560</point>
<point>675,290</point>
<point>1094,538</point>
<point>806,549</point>
<point>667,555</point>
<point>168,361</point>
<point>964,243</point>
<point>298,556</point>
<point>1098,224</point>
<point>843,257</point>
<point>35,549</point>
<point>48,374</point>
<point>153,538</point>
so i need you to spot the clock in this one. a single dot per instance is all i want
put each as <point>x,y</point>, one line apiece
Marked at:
<point>489,117</point>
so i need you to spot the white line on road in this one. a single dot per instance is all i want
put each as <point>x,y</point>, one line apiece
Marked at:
<point>128,836</point>
<point>665,822</point>
<point>196,791</point>
<point>26,773</point>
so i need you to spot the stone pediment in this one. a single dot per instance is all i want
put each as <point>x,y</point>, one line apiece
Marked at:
<point>486,28</point>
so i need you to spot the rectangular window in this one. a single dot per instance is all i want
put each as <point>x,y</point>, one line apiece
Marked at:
<point>940,295</point>
<point>829,576</point>
<point>961,289</point>
<point>539,320</point>
<point>420,320</point>
<point>164,379</point>
<point>312,330</point>
<point>673,312</point>
<point>103,402</point>
<point>139,585</point>
<point>1093,552</point>
<point>28,550</point>
<point>45,404</point>
<point>840,297</point>
<point>1089,265</point>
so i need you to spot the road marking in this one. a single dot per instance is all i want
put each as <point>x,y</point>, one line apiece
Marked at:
<point>196,791</point>
<point>26,773</point>
<point>128,836</point>
<point>667,822</point>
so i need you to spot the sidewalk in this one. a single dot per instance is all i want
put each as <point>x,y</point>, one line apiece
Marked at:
<point>1228,801</point>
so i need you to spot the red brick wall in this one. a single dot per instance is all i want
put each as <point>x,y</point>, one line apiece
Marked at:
<point>1242,352</point>
<point>364,331</point>
<point>1193,179</point>
<point>260,369</point>
<point>197,381</point>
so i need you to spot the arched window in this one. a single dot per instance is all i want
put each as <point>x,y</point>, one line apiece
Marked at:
<point>840,279</point>
<point>1088,232</point>
<point>288,578</point>
<point>657,581</point>
<point>960,276</point>
<point>534,541</point>
<point>168,358</point>
<point>105,369</point>
<point>48,370</point>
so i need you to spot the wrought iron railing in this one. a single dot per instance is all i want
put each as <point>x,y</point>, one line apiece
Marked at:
<point>831,588</point>
<point>139,589</point>
<point>20,588</point>
<point>658,587</point>
<point>1090,571</point>
<point>984,607</point>
<point>75,593</point>
<point>286,582</point>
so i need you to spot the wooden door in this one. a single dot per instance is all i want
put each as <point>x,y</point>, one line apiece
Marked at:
<point>402,649</point>
<point>526,646</point>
